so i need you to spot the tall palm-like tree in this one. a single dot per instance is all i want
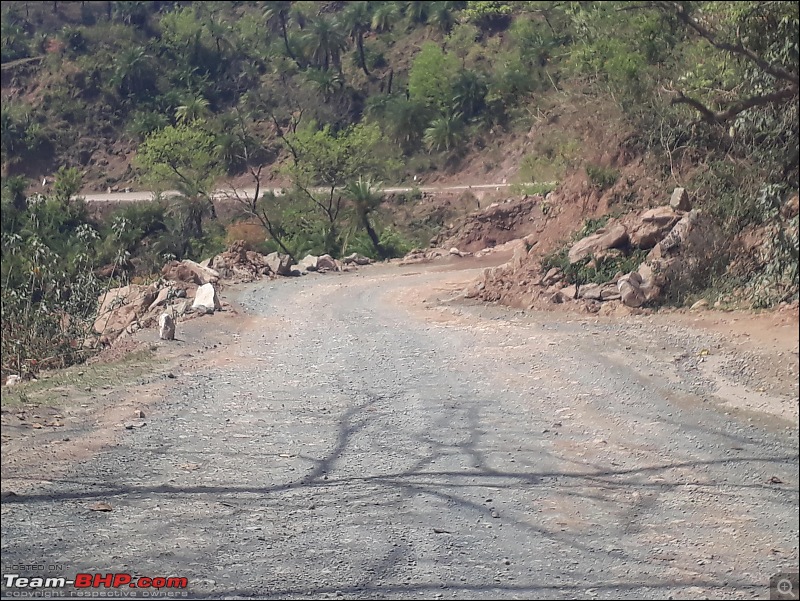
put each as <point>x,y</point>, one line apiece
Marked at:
<point>356,19</point>
<point>192,109</point>
<point>133,72</point>
<point>445,132</point>
<point>384,15</point>
<point>326,82</point>
<point>366,197</point>
<point>404,120</point>
<point>417,10</point>
<point>277,16</point>
<point>469,94</point>
<point>442,15</point>
<point>220,33</point>
<point>325,41</point>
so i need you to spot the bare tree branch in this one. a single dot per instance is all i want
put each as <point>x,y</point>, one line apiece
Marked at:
<point>736,107</point>
<point>777,71</point>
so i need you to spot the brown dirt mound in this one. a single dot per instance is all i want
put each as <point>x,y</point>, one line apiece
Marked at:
<point>497,224</point>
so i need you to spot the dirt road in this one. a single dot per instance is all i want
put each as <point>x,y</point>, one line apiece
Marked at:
<point>363,437</point>
<point>144,195</point>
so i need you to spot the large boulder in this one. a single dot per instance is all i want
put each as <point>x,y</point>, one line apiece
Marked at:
<point>190,272</point>
<point>308,263</point>
<point>177,271</point>
<point>614,235</point>
<point>120,308</point>
<point>279,264</point>
<point>630,289</point>
<point>326,263</point>
<point>206,296</point>
<point>206,274</point>
<point>652,226</point>
<point>163,296</point>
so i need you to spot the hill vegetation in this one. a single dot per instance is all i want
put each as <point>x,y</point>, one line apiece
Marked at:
<point>333,98</point>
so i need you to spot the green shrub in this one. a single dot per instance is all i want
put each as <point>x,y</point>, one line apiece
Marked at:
<point>602,270</point>
<point>602,178</point>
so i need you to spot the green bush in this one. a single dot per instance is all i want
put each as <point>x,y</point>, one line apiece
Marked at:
<point>588,271</point>
<point>602,178</point>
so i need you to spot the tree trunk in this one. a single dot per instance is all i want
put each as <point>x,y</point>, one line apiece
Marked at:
<point>360,44</point>
<point>285,36</point>
<point>376,242</point>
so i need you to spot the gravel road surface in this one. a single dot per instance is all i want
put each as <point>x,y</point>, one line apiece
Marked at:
<point>360,439</point>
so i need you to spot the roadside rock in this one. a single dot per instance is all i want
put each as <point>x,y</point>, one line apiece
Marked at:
<point>279,264</point>
<point>326,263</point>
<point>552,276</point>
<point>308,263</point>
<point>206,274</point>
<point>206,296</point>
<point>180,272</point>
<point>652,226</point>
<point>121,307</point>
<point>166,327</point>
<point>357,259</point>
<point>163,295</point>
<point>614,235</point>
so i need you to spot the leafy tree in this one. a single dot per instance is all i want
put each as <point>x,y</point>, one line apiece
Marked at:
<point>442,15</point>
<point>131,13</point>
<point>327,83</point>
<point>489,14</point>
<point>329,160</point>
<point>183,157</point>
<point>404,121</point>
<point>14,190</point>
<point>417,10</point>
<point>469,94</point>
<point>432,76</point>
<point>68,184</point>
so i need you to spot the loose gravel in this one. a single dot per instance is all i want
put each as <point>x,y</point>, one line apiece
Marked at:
<point>356,443</point>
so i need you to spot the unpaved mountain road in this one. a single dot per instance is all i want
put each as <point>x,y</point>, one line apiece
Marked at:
<point>144,195</point>
<point>358,438</point>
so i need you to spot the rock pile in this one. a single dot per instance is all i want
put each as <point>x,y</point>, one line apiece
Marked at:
<point>668,232</point>
<point>237,264</point>
<point>188,289</point>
